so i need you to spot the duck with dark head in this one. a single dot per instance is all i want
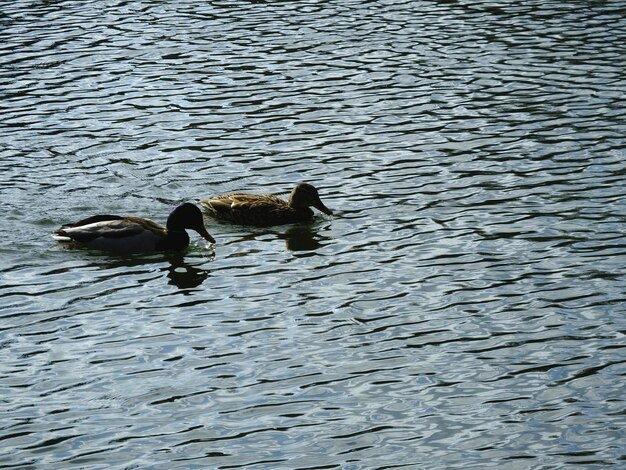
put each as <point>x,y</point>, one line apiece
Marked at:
<point>129,234</point>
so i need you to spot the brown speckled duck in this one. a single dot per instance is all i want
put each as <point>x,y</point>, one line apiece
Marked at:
<point>266,209</point>
<point>128,234</point>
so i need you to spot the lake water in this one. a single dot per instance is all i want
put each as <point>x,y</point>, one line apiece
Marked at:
<point>464,307</point>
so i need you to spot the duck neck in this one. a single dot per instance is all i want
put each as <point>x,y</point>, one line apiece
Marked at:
<point>176,239</point>
<point>297,202</point>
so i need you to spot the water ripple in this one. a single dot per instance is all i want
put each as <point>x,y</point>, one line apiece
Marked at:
<point>464,306</point>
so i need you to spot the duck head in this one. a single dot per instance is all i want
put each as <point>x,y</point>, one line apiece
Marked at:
<point>305,195</point>
<point>188,216</point>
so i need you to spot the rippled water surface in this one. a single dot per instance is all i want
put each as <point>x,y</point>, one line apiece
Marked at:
<point>464,307</point>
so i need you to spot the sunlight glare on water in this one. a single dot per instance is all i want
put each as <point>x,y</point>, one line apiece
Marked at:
<point>463,307</point>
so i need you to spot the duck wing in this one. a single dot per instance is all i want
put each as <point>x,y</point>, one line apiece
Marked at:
<point>95,227</point>
<point>118,234</point>
<point>111,229</point>
<point>247,209</point>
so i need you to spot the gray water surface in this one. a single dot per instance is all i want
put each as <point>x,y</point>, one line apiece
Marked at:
<point>464,307</point>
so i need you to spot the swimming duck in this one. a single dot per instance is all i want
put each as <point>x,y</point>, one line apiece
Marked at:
<point>266,209</point>
<point>135,234</point>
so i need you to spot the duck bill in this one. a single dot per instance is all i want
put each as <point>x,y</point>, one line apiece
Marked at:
<point>204,234</point>
<point>320,205</point>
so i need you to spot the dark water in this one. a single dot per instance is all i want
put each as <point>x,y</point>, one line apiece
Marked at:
<point>464,308</point>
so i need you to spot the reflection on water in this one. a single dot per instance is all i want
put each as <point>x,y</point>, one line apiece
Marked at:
<point>184,275</point>
<point>179,272</point>
<point>465,308</point>
<point>300,238</point>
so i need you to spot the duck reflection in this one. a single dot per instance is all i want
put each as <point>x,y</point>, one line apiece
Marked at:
<point>180,273</point>
<point>184,275</point>
<point>300,238</point>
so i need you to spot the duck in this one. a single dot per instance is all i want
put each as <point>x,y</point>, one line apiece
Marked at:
<point>266,209</point>
<point>129,234</point>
